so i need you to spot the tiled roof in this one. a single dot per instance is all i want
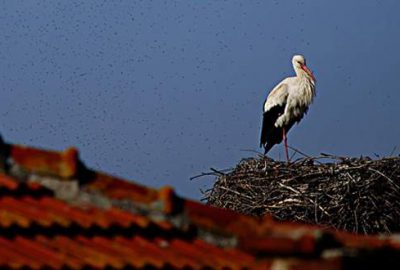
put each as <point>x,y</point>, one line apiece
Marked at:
<point>56,213</point>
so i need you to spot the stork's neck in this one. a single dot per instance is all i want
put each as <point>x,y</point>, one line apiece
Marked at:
<point>302,75</point>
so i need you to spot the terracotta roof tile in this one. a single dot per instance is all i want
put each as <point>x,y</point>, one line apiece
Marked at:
<point>8,182</point>
<point>62,164</point>
<point>144,249</point>
<point>11,255</point>
<point>117,188</point>
<point>68,259</point>
<point>120,224</point>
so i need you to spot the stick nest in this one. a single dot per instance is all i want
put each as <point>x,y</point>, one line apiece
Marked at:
<point>354,194</point>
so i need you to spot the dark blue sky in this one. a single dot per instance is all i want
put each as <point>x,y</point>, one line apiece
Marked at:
<point>159,91</point>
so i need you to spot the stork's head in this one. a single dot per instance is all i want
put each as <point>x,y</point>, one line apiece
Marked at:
<point>299,63</point>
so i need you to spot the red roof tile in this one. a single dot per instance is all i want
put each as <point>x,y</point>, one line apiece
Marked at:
<point>108,222</point>
<point>116,188</point>
<point>62,164</point>
<point>8,182</point>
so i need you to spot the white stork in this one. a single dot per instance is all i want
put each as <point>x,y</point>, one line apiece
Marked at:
<point>286,104</point>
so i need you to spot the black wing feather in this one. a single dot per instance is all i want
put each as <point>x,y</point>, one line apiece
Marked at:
<point>271,135</point>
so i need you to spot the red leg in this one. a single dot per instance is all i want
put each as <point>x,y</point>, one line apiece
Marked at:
<point>286,144</point>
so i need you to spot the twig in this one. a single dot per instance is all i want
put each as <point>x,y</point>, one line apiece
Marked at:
<point>383,175</point>
<point>237,193</point>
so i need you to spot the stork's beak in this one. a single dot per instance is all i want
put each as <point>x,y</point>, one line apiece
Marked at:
<point>309,72</point>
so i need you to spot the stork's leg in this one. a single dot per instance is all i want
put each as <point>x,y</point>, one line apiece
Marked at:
<point>286,144</point>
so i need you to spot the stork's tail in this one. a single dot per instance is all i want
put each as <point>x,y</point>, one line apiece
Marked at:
<point>267,147</point>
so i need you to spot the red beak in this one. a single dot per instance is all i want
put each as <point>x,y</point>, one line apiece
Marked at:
<point>305,68</point>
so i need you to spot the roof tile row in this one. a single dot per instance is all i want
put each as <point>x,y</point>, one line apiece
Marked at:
<point>46,211</point>
<point>118,252</point>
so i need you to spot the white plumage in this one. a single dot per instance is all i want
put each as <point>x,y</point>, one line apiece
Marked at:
<point>286,104</point>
